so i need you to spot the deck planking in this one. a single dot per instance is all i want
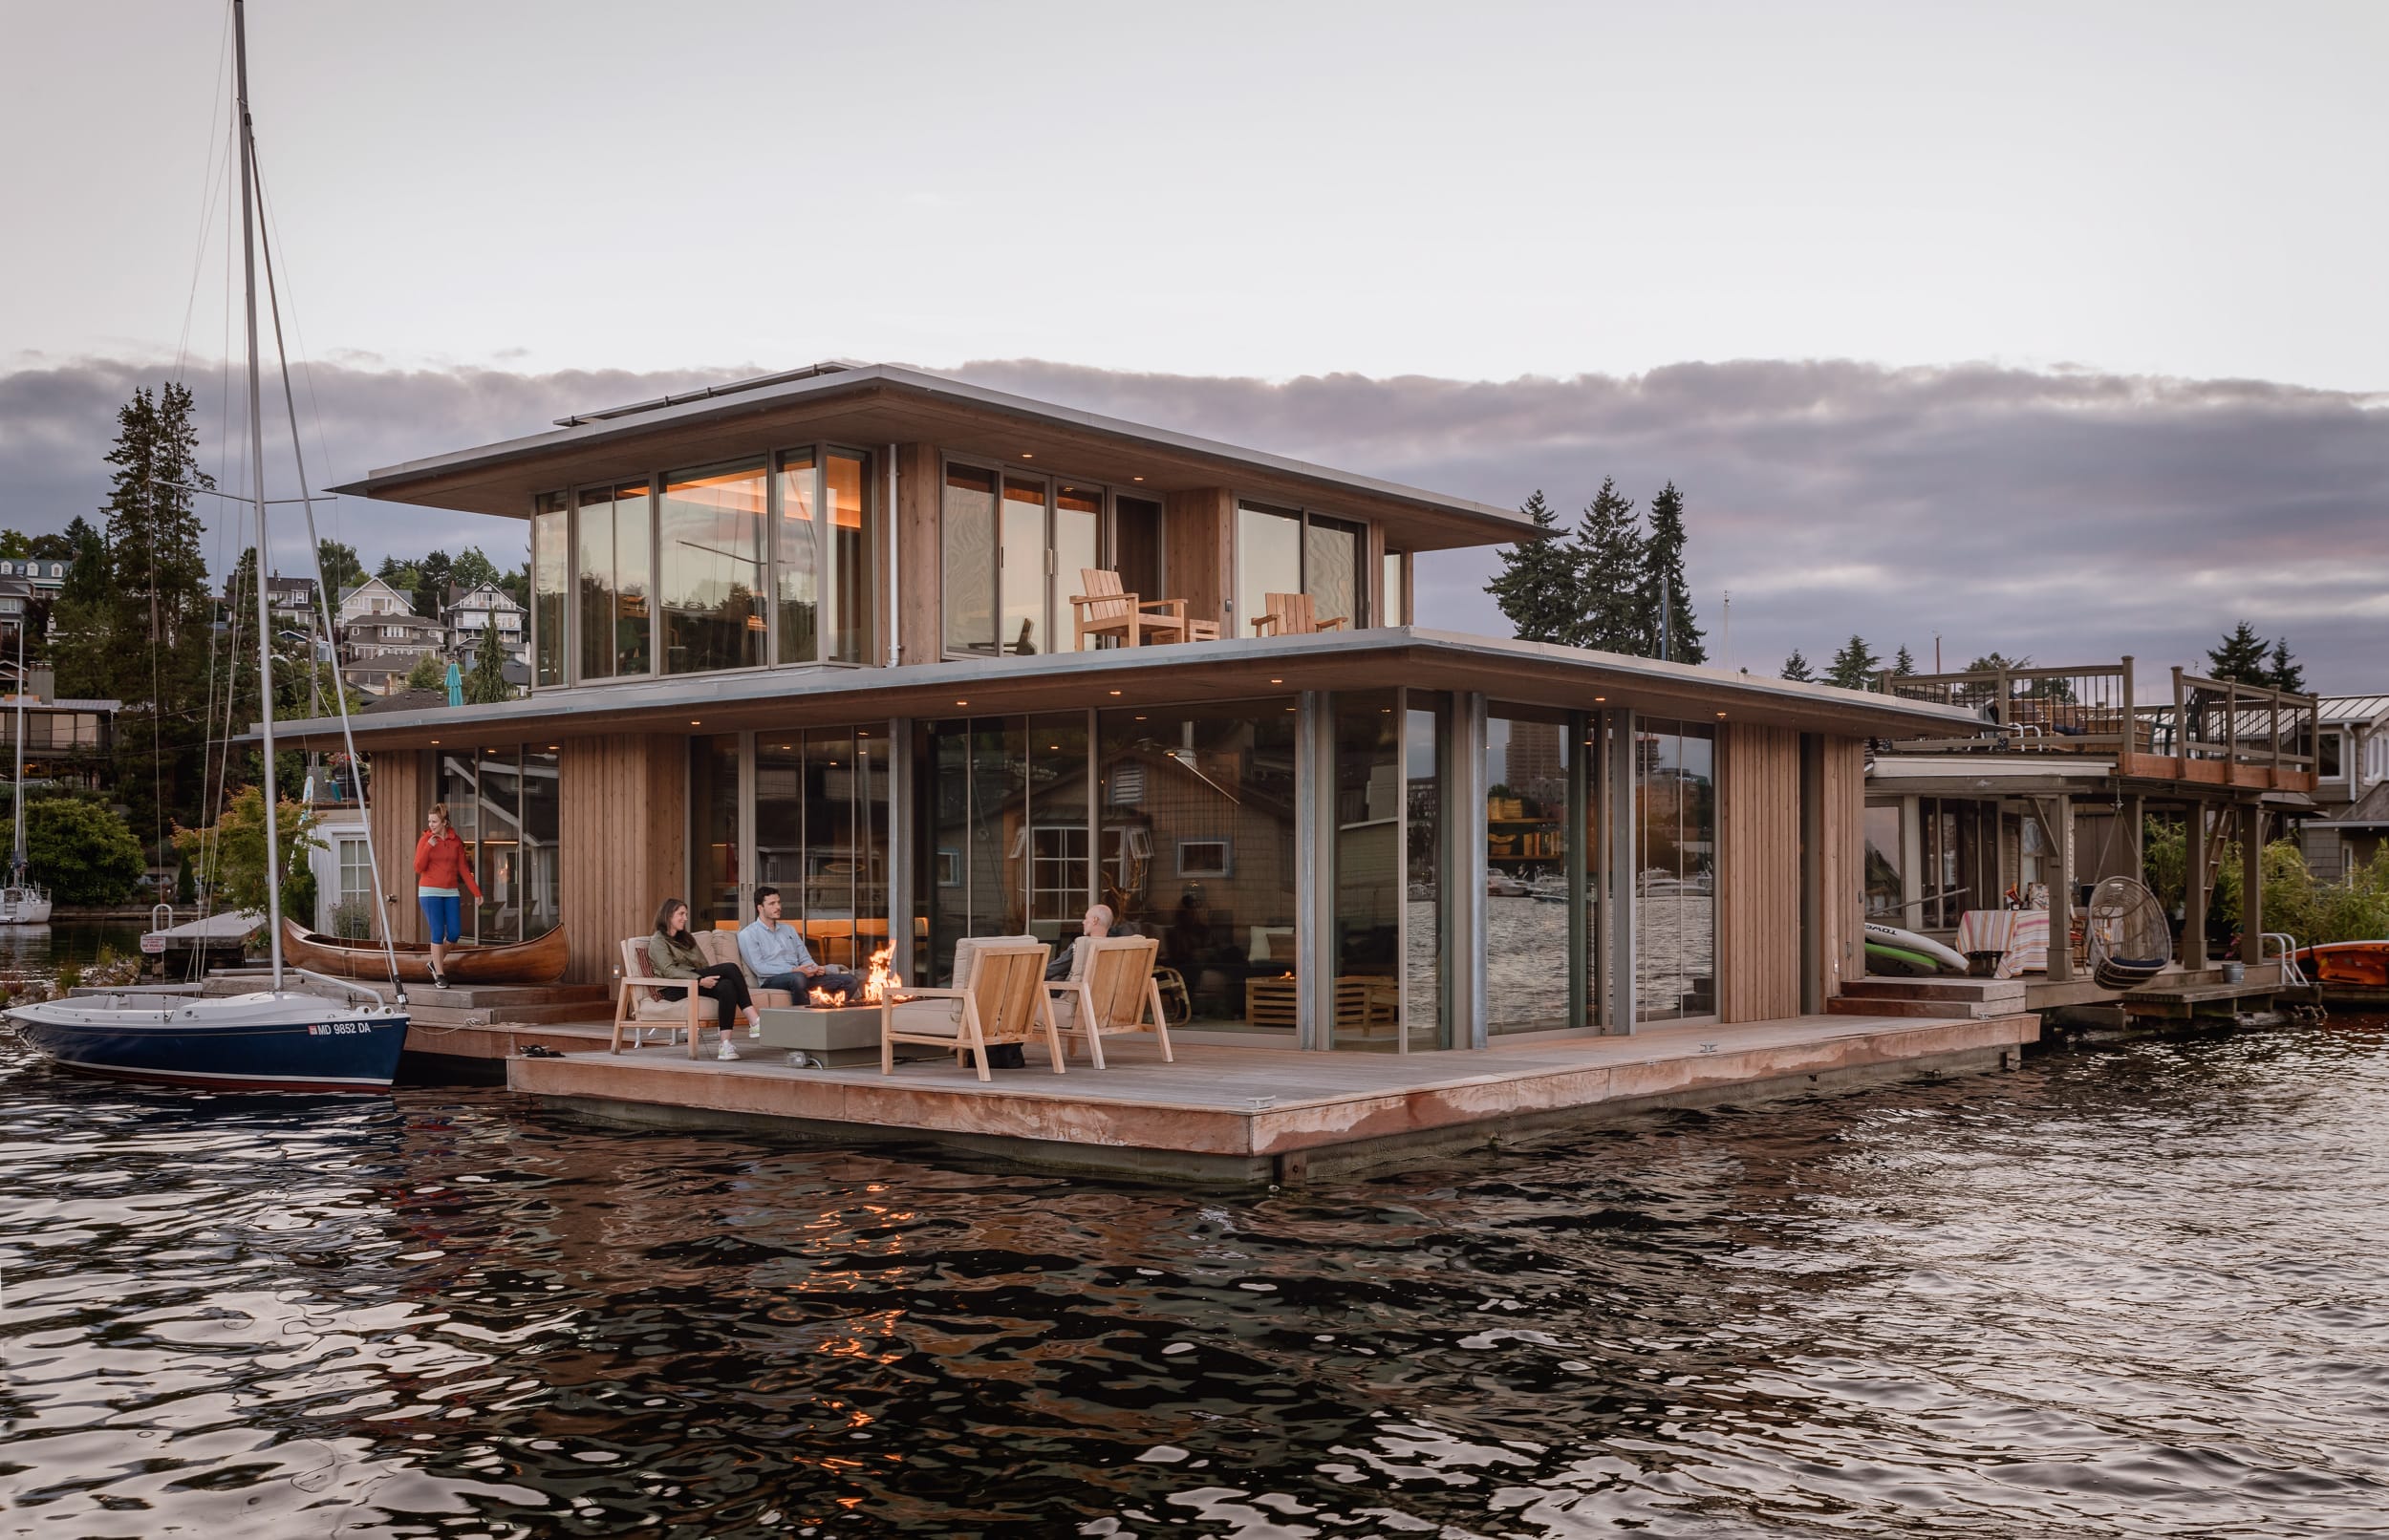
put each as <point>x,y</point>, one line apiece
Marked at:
<point>1265,1114</point>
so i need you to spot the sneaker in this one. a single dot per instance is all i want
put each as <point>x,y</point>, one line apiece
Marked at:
<point>727,1050</point>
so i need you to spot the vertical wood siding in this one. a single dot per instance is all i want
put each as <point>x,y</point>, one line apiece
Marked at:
<point>622,843</point>
<point>920,636</point>
<point>1197,528</point>
<point>1759,874</point>
<point>401,793</point>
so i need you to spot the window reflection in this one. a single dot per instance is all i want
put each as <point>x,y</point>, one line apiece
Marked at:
<point>710,526</point>
<point>1526,867</point>
<point>1675,910</point>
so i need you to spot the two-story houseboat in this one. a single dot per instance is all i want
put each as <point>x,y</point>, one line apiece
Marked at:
<point>838,632</point>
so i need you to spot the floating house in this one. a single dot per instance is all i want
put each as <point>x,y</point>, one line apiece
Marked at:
<point>938,661</point>
<point>2050,791</point>
<point>2351,785</point>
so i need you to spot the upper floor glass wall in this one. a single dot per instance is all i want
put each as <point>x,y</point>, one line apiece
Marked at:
<point>710,527</point>
<point>1285,550</point>
<point>728,566</point>
<point>1016,546</point>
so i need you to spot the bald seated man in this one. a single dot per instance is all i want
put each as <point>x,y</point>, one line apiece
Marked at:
<point>1097,923</point>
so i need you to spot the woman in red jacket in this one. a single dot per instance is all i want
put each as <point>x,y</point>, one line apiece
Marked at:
<point>442,864</point>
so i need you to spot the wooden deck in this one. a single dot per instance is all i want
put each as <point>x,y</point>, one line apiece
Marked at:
<point>1236,1114</point>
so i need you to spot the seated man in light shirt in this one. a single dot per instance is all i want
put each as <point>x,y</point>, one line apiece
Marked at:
<point>775,953</point>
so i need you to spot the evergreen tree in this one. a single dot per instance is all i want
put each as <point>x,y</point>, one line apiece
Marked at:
<point>472,570</point>
<point>1796,667</point>
<point>432,576</point>
<point>49,547</point>
<point>342,568</point>
<point>1606,560</point>
<point>145,641</point>
<point>1901,664</point>
<point>1664,583</point>
<point>486,681</point>
<point>1535,586</point>
<point>1854,667</point>
<point>2286,672</point>
<point>517,584</point>
<point>2240,658</point>
<point>400,575</point>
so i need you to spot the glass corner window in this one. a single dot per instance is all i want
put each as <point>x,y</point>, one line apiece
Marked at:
<point>710,542</point>
<point>551,518</point>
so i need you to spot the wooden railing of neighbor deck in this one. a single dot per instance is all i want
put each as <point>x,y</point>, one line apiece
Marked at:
<point>2212,732</point>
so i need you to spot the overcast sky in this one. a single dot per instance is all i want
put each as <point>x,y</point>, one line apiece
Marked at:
<point>1943,317</point>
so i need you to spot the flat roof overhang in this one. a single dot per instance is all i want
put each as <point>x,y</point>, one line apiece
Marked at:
<point>876,404</point>
<point>1192,674</point>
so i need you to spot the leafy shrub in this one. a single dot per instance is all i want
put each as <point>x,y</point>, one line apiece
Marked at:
<point>80,852</point>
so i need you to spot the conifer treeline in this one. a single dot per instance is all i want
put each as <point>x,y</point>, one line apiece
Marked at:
<point>2242,657</point>
<point>1607,583</point>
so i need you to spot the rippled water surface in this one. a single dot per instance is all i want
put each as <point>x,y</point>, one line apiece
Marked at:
<point>2131,1292</point>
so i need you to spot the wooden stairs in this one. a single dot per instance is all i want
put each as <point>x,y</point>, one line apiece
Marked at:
<point>1929,999</point>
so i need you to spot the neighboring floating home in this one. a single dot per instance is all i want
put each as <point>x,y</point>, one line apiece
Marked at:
<point>938,661</point>
<point>2351,785</point>
<point>2055,796</point>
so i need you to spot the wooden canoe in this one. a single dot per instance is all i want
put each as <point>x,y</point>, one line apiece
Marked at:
<point>539,960</point>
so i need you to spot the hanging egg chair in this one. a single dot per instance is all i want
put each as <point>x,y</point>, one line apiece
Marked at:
<point>2130,943</point>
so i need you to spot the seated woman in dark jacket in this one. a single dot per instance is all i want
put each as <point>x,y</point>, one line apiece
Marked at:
<point>672,953</point>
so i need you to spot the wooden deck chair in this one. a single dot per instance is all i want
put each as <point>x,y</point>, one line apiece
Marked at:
<point>1110,990</point>
<point>639,1004</point>
<point>997,998</point>
<point>1105,610</point>
<point>1293,614</point>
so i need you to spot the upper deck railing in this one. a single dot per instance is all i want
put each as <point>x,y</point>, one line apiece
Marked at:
<point>2211,730</point>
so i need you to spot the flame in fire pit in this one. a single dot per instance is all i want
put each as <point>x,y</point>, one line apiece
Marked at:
<point>877,983</point>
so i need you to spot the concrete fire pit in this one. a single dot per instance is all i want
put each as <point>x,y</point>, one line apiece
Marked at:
<point>838,1037</point>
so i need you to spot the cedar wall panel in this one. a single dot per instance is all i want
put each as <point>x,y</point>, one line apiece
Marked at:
<point>1759,875</point>
<point>1197,528</point>
<point>401,793</point>
<point>1841,931</point>
<point>920,633</point>
<point>622,843</point>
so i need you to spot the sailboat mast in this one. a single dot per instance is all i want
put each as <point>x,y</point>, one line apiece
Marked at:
<point>16,850</point>
<point>257,486</point>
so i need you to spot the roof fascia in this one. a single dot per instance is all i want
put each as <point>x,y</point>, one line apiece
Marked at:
<point>826,387</point>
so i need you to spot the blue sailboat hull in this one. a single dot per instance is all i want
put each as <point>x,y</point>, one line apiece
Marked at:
<point>334,1055</point>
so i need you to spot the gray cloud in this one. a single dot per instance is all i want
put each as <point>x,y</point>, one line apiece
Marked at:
<point>2068,515</point>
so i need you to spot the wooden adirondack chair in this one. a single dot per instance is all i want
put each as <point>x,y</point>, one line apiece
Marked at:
<point>1112,990</point>
<point>1105,610</point>
<point>997,997</point>
<point>638,1004</point>
<point>1292,614</point>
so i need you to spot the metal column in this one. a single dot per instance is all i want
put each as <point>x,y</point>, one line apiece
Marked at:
<point>903,848</point>
<point>1621,869</point>
<point>1582,1010</point>
<point>1465,788</point>
<point>1314,870</point>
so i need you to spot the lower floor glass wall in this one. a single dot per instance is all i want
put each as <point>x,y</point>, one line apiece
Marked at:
<point>804,811</point>
<point>502,803</point>
<point>1181,821</point>
<point>1186,822</point>
<point>1675,852</point>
